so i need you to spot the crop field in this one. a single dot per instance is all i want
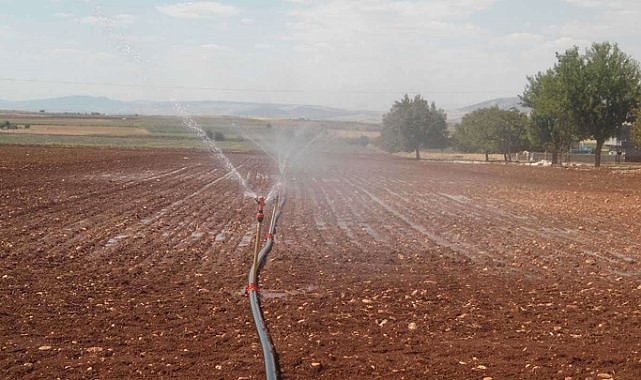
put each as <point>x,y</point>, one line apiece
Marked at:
<point>156,131</point>
<point>112,131</point>
<point>120,263</point>
<point>66,130</point>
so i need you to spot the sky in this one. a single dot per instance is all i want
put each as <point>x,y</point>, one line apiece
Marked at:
<point>360,54</point>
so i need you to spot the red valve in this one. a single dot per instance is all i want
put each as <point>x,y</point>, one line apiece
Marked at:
<point>261,208</point>
<point>250,288</point>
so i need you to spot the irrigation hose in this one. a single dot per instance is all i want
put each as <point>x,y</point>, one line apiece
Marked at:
<point>259,227</point>
<point>269,355</point>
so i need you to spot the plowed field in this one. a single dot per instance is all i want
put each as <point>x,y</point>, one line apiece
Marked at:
<point>122,263</point>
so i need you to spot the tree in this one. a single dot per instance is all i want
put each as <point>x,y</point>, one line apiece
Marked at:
<point>512,131</point>
<point>219,136</point>
<point>215,135</point>
<point>492,130</point>
<point>598,89</point>
<point>550,125</point>
<point>412,124</point>
<point>635,132</point>
<point>476,133</point>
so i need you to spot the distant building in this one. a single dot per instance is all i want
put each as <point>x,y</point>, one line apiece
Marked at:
<point>624,145</point>
<point>613,143</point>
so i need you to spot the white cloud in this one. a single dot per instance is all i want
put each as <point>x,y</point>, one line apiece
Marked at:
<point>434,47</point>
<point>212,46</point>
<point>606,4</point>
<point>561,44</point>
<point>62,15</point>
<point>79,53</point>
<point>346,24</point>
<point>615,21</point>
<point>520,39</point>
<point>63,51</point>
<point>387,47</point>
<point>585,3</point>
<point>351,53</point>
<point>198,9</point>
<point>106,21</point>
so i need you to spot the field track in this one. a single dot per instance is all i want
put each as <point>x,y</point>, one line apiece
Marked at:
<point>120,263</point>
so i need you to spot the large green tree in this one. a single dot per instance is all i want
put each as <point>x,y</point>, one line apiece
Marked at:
<point>550,125</point>
<point>492,130</point>
<point>413,123</point>
<point>598,88</point>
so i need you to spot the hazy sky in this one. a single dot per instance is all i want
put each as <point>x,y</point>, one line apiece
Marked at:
<point>353,54</point>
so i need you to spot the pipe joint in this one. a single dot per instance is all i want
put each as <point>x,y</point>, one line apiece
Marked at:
<point>250,288</point>
<point>260,214</point>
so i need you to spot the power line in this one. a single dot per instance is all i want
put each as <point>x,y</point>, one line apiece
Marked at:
<point>248,90</point>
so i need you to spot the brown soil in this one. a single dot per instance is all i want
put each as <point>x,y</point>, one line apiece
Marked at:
<point>66,130</point>
<point>122,263</point>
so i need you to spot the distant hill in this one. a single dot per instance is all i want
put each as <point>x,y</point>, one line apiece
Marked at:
<point>101,104</point>
<point>65,104</point>
<point>88,104</point>
<point>456,115</point>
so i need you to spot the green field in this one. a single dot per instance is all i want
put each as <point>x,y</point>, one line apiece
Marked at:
<point>153,131</point>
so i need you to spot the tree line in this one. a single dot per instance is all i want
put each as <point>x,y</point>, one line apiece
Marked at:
<point>591,95</point>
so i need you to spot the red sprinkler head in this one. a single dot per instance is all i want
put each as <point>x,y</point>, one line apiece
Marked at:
<point>261,207</point>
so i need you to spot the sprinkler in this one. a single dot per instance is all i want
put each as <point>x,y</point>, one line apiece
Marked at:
<point>261,209</point>
<point>260,215</point>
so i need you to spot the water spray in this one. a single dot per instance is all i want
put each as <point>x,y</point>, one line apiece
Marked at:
<point>190,123</point>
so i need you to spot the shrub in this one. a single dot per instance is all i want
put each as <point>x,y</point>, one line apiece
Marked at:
<point>215,135</point>
<point>362,140</point>
<point>219,136</point>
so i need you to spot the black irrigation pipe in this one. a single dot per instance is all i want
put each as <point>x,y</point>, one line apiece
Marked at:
<point>272,371</point>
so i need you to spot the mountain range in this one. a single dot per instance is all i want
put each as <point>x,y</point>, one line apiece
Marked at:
<point>104,105</point>
<point>455,116</point>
